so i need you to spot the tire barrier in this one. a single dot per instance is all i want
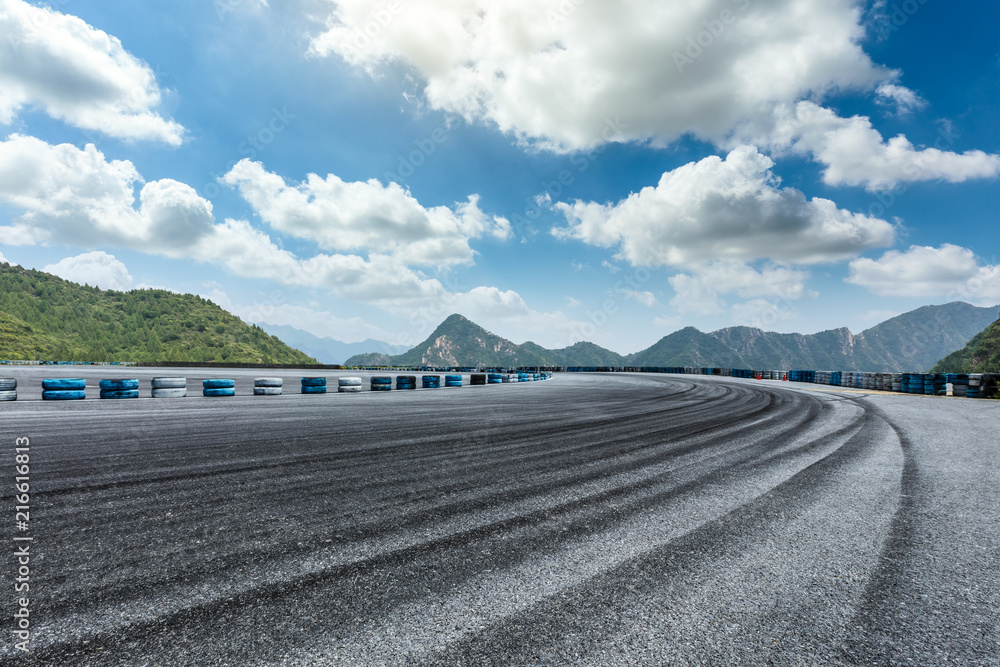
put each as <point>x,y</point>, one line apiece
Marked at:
<point>267,386</point>
<point>64,395</point>
<point>169,392</point>
<point>477,379</point>
<point>975,380</point>
<point>406,382</point>
<point>452,380</point>
<point>381,383</point>
<point>348,385</point>
<point>119,389</point>
<point>313,385</point>
<point>494,378</point>
<point>64,384</point>
<point>959,384</point>
<point>218,387</point>
<point>8,389</point>
<point>430,381</point>
<point>509,377</point>
<point>523,377</point>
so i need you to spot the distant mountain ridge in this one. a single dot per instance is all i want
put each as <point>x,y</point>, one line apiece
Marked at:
<point>326,349</point>
<point>913,341</point>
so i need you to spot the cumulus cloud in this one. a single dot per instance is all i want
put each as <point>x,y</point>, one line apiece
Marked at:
<point>922,271</point>
<point>903,99</point>
<point>93,268</point>
<point>77,74</point>
<point>643,297</point>
<point>80,198</point>
<point>365,216</point>
<point>3,260</point>
<point>855,153</point>
<point>701,290</point>
<point>571,74</point>
<point>729,209</point>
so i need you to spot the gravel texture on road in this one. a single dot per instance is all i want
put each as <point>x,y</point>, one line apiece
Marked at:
<point>589,519</point>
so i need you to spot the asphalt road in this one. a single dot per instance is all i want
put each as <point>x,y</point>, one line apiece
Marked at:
<point>588,519</point>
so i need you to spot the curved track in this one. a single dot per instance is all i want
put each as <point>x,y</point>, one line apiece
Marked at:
<point>595,519</point>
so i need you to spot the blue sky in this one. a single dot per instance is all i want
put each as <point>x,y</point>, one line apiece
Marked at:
<point>555,171</point>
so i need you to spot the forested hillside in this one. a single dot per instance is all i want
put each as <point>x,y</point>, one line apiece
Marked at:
<point>43,317</point>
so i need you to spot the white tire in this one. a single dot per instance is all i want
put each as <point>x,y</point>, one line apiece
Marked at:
<point>169,383</point>
<point>169,392</point>
<point>9,395</point>
<point>349,389</point>
<point>267,382</point>
<point>349,382</point>
<point>267,391</point>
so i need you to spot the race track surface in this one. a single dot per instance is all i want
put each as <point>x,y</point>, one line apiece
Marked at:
<point>589,519</point>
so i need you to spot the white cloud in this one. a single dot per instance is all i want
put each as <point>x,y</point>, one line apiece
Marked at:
<point>645,298</point>
<point>3,260</point>
<point>573,303</point>
<point>728,209</point>
<point>701,291</point>
<point>78,197</point>
<point>855,153</point>
<point>77,74</point>
<point>93,268</point>
<point>904,99</point>
<point>610,267</point>
<point>365,216</point>
<point>760,313</point>
<point>646,69</point>
<point>921,271</point>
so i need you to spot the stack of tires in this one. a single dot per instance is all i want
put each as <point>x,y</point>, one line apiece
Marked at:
<point>381,383</point>
<point>406,382</point>
<point>64,389</point>
<point>988,386</point>
<point>313,385</point>
<point>169,387</point>
<point>975,382</point>
<point>8,389</point>
<point>348,385</point>
<point>523,377</point>
<point>509,377</point>
<point>114,389</point>
<point>452,380</point>
<point>959,384</point>
<point>218,387</point>
<point>430,381</point>
<point>267,386</point>
<point>477,379</point>
<point>494,378</point>
<point>897,382</point>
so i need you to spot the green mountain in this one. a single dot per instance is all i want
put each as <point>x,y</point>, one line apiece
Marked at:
<point>688,347</point>
<point>916,340</point>
<point>459,342</point>
<point>586,354</point>
<point>43,317</point>
<point>981,355</point>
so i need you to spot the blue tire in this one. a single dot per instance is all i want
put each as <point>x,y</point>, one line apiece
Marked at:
<point>381,380</point>
<point>381,387</point>
<point>312,389</point>
<point>123,393</point>
<point>119,385</point>
<point>64,384</point>
<point>63,395</point>
<point>313,382</point>
<point>452,384</point>
<point>453,378</point>
<point>218,383</point>
<point>218,391</point>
